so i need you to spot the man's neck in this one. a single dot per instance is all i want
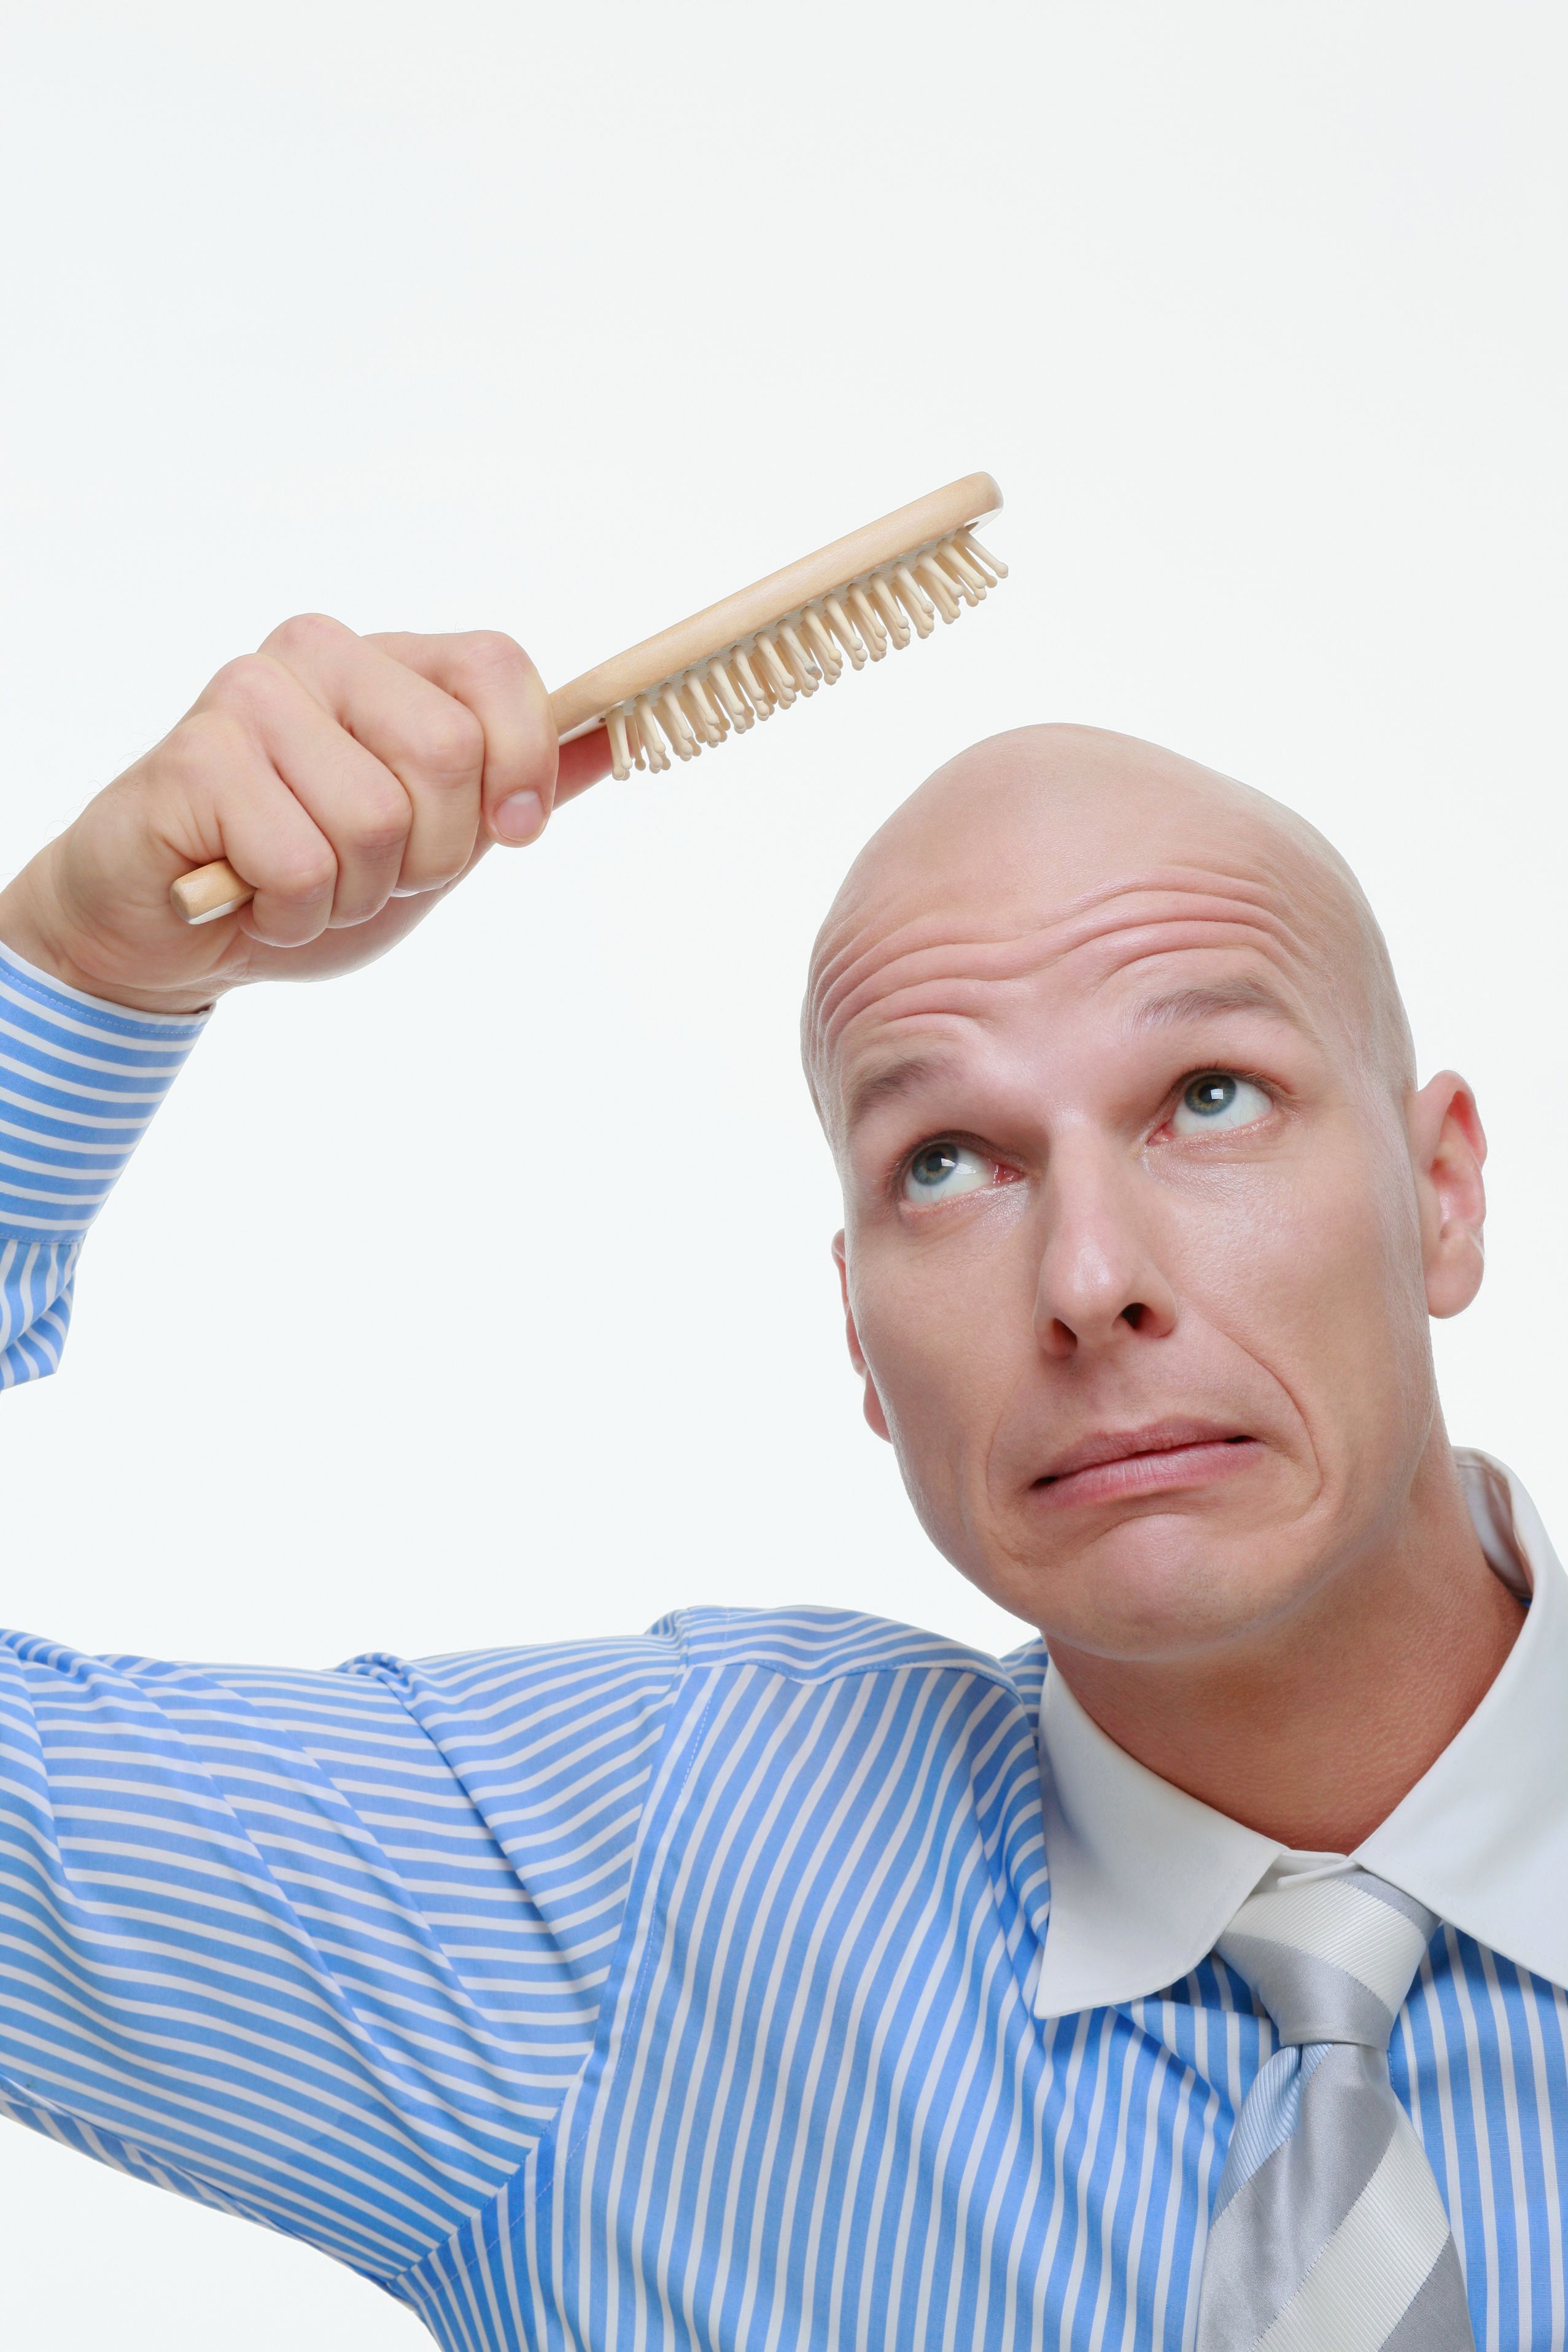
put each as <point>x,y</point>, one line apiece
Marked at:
<point>1313,1733</point>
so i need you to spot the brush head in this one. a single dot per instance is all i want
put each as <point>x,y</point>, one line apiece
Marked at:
<point>740,660</point>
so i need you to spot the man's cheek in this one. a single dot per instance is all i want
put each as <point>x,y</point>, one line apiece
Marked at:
<point>944,1371</point>
<point>920,1377</point>
<point>1303,1283</point>
<point>1285,1247</point>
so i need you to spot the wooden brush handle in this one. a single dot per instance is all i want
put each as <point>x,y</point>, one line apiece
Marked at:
<point>208,891</point>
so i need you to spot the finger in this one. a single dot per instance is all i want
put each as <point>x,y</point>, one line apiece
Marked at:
<point>429,740</point>
<point>241,808</point>
<point>490,675</point>
<point>582,762</point>
<point>357,803</point>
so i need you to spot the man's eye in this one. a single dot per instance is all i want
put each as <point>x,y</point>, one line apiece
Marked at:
<point>940,1172</point>
<point>1217,1102</point>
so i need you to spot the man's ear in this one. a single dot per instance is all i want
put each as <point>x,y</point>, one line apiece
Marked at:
<point>1447,1145</point>
<point>871,1401</point>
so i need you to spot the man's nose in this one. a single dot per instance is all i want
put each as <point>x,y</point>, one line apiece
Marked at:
<point>1100,1280</point>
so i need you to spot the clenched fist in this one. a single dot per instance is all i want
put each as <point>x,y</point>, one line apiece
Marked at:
<point>351,780</point>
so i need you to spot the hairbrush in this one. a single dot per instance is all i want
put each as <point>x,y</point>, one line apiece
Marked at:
<point>754,652</point>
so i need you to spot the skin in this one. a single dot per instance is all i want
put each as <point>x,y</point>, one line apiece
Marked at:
<point>1274,1598</point>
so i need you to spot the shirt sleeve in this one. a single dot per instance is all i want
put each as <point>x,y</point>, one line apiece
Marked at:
<point>78,1081</point>
<point>325,1950</point>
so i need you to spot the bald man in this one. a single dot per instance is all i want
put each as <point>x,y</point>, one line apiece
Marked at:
<point>1196,1977</point>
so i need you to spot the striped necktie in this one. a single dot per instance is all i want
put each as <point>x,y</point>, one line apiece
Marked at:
<point>1329,2235</point>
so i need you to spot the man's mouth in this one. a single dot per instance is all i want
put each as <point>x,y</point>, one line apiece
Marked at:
<point>1161,1456</point>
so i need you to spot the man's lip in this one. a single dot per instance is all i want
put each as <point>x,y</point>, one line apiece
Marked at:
<point>1156,1437</point>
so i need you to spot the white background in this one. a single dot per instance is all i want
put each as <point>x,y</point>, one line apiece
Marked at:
<point>486,1295</point>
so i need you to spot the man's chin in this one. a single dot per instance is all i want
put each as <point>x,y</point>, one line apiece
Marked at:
<point>1159,1577</point>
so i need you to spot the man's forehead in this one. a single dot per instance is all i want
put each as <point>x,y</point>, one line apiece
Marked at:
<point>899,962</point>
<point>1003,887</point>
<point>1091,851</point>
<point>883,1060</point>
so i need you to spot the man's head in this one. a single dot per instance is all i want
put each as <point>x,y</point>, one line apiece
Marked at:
<point>1111,1058</point>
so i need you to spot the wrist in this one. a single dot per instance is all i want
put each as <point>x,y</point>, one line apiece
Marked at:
<point>33,928</point>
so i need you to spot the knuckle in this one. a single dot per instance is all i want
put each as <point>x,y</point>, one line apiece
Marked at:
<point>306,633</point>
<point>246,682</point>
<point>380,820</point>
<point>491,654</point>
<point>303,874</point>
<point>452,745</point>
<point>204,744</point>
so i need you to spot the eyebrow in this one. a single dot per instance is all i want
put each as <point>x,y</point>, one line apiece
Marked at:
<point>894,1078</point>
<point>1222,996</point>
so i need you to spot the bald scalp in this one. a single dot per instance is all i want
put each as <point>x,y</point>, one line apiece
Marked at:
<point>1024,827</point>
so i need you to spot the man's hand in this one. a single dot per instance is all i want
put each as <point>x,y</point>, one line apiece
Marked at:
<point>351,780</point>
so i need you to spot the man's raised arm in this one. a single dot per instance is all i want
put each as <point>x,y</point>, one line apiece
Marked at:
<point>321,1949</point>
<point>351,780</point>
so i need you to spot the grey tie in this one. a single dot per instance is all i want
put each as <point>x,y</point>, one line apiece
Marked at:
<point>1329,2235</point>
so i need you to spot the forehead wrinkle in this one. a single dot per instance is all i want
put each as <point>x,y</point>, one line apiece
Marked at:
<point>1112,955</point>
<point>869,935</point>
<point>846,924</point>
<point>1125,937</point>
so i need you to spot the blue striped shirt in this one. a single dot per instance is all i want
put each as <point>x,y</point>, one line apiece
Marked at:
<point>78,1082</point>
<point>673,1992</point>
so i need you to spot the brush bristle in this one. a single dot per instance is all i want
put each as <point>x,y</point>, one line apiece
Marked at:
<point>761,674</point>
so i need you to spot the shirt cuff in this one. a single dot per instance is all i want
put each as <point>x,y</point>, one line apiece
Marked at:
<point>78,1081</point>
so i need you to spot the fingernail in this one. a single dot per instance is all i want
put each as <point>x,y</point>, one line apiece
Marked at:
<point>519,818</point>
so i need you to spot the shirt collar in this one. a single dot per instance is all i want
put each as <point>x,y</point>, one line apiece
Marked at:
<point>1145,1878</point>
